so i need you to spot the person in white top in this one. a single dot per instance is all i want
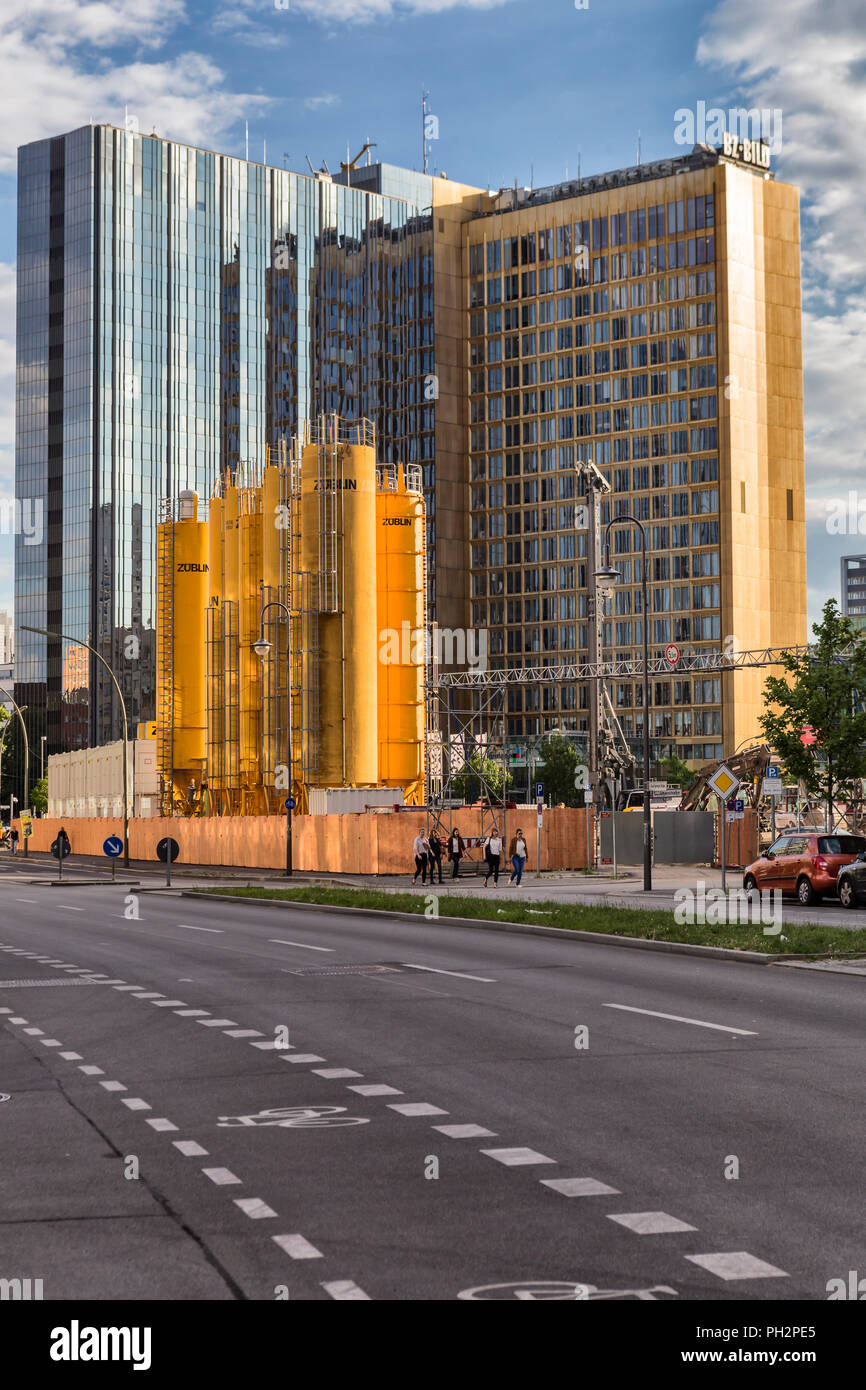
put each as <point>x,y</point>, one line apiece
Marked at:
<point>517,852</point>
<point>420,849</point>
<point>493,855</point>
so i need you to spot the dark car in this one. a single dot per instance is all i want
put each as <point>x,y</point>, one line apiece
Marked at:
<point>851,882</point>
<point>805,864</point>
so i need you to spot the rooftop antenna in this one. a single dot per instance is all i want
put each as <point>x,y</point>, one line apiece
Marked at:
<point>246,140</point>
<point>309,162</point>
<point>638,147</point>
<point>425,147</point>
<point>264,151</point>
<point>285,159</point>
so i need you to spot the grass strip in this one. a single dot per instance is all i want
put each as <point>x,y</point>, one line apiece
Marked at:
<point>650,924</point>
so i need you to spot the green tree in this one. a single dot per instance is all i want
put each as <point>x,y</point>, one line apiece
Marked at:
<point>468,781</point>
<point>675,770</point>
<point>39,796</point>
<point>561,760</point>
<point>824,691</point>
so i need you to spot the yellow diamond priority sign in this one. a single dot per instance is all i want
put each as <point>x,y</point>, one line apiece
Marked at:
<point>723,782</point>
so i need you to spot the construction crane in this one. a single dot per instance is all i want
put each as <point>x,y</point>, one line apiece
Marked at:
<point>347,165</point>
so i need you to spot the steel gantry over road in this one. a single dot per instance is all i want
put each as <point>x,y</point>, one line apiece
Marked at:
<point>609,670</point>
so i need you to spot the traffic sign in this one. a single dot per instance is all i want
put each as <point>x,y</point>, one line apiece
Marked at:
<point>26,824</point>
<point>723,782</point>
<point>735,809</point>
<point>539,791</point>
<point>771,786</point>
<point>113,846</point>
<point>773,771</point>
<point>290,803</point>
<point>672,654</point>
<point>56,851</point>
<point>167,847</point>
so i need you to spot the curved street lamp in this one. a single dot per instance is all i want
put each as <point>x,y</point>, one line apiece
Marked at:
<point>78,642</point>
<point>262,648</point>
<point>5,692</point>
<point>606,578</point>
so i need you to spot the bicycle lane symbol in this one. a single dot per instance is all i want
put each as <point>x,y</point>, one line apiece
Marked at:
<point>535,1290</point>
<point>294,1117</point>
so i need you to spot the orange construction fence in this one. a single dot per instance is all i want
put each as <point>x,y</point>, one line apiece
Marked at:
<point>366,843</point>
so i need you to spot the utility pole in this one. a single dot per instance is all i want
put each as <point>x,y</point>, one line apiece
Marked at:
<point>595,486</point>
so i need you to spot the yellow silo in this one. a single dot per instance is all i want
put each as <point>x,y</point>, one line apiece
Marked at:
<point>400,611</point>
<point>249,667</point>
<point>338,543</point>
<point>230,605</point>
<point>182,591</point>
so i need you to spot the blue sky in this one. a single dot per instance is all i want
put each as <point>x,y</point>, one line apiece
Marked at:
<point>522,89</point>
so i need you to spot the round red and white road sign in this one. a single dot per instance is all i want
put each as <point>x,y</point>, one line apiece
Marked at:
<point>672,654</point>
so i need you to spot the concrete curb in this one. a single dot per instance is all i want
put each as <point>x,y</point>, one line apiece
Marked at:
<point>522,928</point>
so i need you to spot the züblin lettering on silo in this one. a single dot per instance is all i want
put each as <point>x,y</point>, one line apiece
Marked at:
<point>269,681</point>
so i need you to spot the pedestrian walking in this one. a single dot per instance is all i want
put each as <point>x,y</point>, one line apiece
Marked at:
<point>493,855</point>
<point>456,851</point>
<point>435,847</point>
<point>63,844</point>
<point>13,840</point>
<point>420,849</point>
<point>517,853</point>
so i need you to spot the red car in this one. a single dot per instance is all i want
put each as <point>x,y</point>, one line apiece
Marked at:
<point>804,864</point>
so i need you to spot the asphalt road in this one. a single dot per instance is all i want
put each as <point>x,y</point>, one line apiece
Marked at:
<point>455,1110</point>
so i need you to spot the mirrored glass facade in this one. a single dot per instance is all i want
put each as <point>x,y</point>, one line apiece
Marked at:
<point>179,311</point>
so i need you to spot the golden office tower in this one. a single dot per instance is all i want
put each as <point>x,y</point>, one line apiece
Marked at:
<point>339,542</point>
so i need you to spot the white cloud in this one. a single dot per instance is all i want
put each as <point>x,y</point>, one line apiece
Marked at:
<point>806,57</point>
<point>320,102</point>
<point>364,11</point>
<point>55,76</point>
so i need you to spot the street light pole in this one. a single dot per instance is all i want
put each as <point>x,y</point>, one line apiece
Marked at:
<point>262,649</point>
<point>607,578</point>
<point>5,692</point>
<point>42,742</point>
<point>78,642</point>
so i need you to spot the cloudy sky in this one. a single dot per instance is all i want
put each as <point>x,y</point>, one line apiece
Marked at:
<point>522,89</point>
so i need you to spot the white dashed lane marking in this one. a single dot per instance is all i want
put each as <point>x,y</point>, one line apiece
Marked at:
<point>217,1023</point>
<point>168,1003</point>
<point>33,1032</point>
<point>580,1187</point>
<point>266,1046</point>
<point>92,1071</point>
<point>243,1033</point>
<point>221,1176</point>
<point>334,1073</point>
<point>113,1085</point>
<point>676,1018</point>
<point>162,1125</point>
<point>513,1158</point>
<point>254,1207</point>
<point>50,1042</point>
<point>71,1056</point>
<point>737,1264</point>
<point>303,1057</point>
<point>465,1131</point>
<point>343,1289</point>
<point>189,1148</point>
<point>302,946</point>
<point>371,1090</point>
<point>650,1223</point>
<point>193,1013</point>
<point>135,1104</point>
<point>458,974</point>
<point>417,1108</point>
<point>297,1248</point>
<point>216,931</point>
